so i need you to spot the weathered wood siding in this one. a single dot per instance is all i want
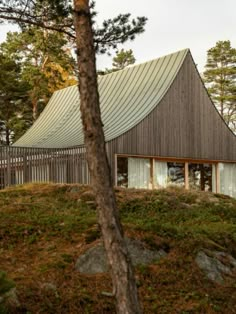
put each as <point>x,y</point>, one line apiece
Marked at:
<point>20,165</point>
<point>185,124</point>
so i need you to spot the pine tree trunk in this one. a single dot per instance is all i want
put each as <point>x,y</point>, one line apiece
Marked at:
<point>35,109</point>
<point>118,257</point>
<point>7,137</point>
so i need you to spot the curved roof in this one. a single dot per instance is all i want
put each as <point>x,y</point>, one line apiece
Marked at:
<point>126,98</point>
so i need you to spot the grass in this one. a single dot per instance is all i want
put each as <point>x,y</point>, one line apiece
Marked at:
<point>44,228</point>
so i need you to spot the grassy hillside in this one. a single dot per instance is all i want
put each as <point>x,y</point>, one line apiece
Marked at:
<point>44,228</point>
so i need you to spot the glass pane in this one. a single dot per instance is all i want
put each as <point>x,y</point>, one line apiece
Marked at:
<point>214,178</point>
<point>160,174</point>
<point>139,173</point>
<point>228,179</point>
<point>122,172</point>
<point>200,177</point>
<point>175,173</point>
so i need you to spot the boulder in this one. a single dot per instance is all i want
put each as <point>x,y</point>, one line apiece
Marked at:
<point>216,264</point>
<point>94,261</point>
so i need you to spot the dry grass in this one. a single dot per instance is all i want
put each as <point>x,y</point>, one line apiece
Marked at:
<point>43,230</point>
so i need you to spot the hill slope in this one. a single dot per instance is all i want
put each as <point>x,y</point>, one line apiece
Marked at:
<point>44,229</point>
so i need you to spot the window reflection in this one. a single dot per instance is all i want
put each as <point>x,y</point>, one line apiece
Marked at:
<point>200,177</point>
<point>122,172</point>
<point>175,173</point>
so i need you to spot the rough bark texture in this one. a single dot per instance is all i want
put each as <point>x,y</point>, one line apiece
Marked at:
<point>118,257</point>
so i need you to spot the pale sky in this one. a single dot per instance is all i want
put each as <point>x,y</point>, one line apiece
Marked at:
<point>172,25</point>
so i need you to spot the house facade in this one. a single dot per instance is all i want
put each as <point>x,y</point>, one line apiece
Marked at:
<point>161,128</point>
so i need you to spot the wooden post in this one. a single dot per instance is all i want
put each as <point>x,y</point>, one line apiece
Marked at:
<point>8,167</point>
<point>151,174</point>
<point>186,179</point>
<point>115,174</point>
<point>217,175</point>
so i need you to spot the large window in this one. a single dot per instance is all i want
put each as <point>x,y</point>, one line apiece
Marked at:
<point>147,173</point>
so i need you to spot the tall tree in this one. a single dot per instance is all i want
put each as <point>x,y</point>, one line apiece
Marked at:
<point>220,78</point>
<point>112,33</point>
<point>115,246</point>
<point>46,63</point>
<point>13,100</point>
<point>58,15</point>
<point>123,58</point>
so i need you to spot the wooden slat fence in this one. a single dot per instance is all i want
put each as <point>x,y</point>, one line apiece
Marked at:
<point>20,165</point>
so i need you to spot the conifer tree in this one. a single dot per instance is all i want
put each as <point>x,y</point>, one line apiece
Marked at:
<point>14,105</point>
<point>122,272</point>
<point>123,58</point>
<point>45,61</point>
<point>220,79</point>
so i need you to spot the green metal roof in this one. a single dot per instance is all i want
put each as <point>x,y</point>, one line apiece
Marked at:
<point>126,98</point>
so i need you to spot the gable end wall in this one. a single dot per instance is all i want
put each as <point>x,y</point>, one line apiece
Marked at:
<point>185,124</point>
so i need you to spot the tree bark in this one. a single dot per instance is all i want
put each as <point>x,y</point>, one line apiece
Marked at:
<point>7,136</point>
<point>118,257</point>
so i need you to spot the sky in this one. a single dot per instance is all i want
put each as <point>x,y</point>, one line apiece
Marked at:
<point>172,25</point>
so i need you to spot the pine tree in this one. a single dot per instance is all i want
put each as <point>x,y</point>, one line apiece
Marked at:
<point>57,15</point>
<point>220,79</point>
<point>122,59</point>
<point>118,256</point>
<point>122,272</point>
<point>14,104</point>
<point>46,63</point>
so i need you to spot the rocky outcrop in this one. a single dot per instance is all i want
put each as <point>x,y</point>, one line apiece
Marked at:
<point>94,260</point>
<point>216,265</point>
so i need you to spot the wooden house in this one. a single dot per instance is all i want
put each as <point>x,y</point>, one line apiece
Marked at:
<point>161,128</point>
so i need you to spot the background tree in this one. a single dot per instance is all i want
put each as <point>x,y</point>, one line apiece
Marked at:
<point>123,58</point>
<point>220,79</point>
<point>46,63</point>
<point>14,106</point>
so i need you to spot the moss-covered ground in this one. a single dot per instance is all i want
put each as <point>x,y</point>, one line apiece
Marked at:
<point>44,228</point>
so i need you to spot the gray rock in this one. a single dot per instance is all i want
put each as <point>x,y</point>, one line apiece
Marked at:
<point>216,265</point>
<point>94,261</point>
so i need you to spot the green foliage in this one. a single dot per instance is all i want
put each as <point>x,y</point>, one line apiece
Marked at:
<point>13,100</point>
<point>122,59</point>
<point>220,77</point>
<point>45,61</point>
<point>182,214</point>
<point>48,215</point>
<point>58,16</point>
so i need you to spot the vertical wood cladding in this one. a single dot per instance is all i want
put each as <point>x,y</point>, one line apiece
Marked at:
<point>185,124</point>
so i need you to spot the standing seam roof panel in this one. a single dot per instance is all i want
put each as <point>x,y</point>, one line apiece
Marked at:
<point>126,98</point>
